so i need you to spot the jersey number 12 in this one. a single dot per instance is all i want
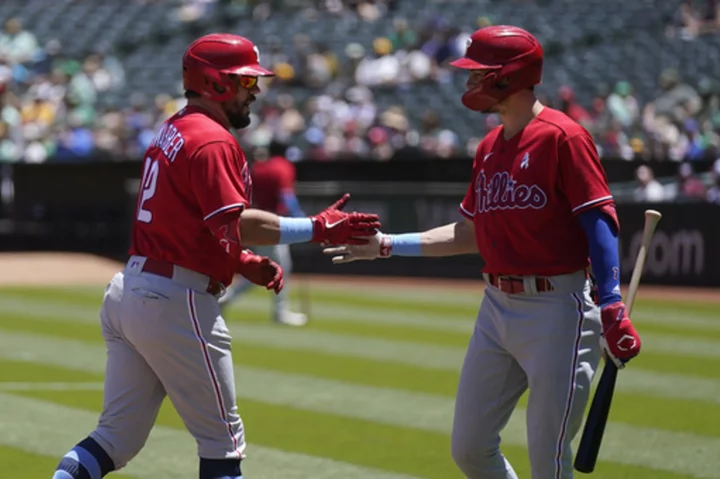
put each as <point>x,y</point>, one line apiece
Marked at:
<point>148,185</point>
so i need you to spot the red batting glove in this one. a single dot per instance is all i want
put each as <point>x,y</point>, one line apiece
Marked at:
<point>261,270</point>
<point>334,226</point>
<point>619,340</point>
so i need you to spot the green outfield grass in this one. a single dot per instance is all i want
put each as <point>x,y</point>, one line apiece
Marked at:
<point>365,391</point>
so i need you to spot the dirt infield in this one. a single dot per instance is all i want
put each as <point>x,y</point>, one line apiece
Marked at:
<point>53,269</point>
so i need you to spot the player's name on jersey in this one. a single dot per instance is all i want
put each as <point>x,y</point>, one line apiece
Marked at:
<point>169,140</point>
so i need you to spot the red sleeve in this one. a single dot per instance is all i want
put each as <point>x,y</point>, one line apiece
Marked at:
<point>582,177</point>
<point>217,180</point>
<point>468,206</point>
<point>286,177</point>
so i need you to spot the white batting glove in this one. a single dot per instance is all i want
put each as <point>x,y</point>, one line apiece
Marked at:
<point>379,246</point>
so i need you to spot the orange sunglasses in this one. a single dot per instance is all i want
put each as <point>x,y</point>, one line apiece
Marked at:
<point>247,82</point>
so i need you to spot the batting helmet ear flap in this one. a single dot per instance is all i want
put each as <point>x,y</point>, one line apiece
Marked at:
<point>216,86</point>
<point>210,62</point>
<point>502,83</point>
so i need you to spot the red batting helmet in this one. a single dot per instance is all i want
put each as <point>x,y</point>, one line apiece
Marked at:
<point>513,58</point>
<point>210,61</point>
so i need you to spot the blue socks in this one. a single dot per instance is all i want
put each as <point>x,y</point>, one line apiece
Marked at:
<point>87,460</point>
<point>220,469</point>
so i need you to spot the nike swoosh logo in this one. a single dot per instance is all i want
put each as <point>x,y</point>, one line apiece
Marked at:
<point>488,156</point>
<point>332,225</point>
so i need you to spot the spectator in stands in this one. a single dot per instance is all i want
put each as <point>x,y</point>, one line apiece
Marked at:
<point>713,194</point>
<point>402,36</point>
<point>290,120</point>
<point>297,58</point>
<point>354,54</point>
<point>9,149</point>
<point>75,140</point>
<point>570,106</point>
<point>192,10</point>
<point>370,10</point>
<point>48,58</point>
<point>10,106</point>
<point>649,190</point>
<point>381,68</point>
<point>711,17</point>
<point>688,186</point>
<point>600,118</point>
<point>396,125</point>
<point>333,7</point>
<point>362,108</point>
<point>37,114</point>
<point>678,100</point>
<point>103,78</point>
<point>622,105</point>
<point>322,66</point>
<point>708,89</point>
<point>19,46</point>
<point>685,23</point>
<point>694,140</point>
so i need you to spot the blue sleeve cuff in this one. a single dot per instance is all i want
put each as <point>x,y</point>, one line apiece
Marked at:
<point>604,257</point>
<point>407,244</point>
<point>295,230</point>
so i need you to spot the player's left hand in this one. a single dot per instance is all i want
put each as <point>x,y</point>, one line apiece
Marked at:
<point>619,340</point>
<point>261,270</point>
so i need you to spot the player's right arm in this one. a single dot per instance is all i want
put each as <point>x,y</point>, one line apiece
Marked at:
<point>447,240</point>
<point>215,176</point>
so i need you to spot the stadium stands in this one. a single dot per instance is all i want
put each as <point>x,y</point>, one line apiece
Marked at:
<point>357,78</point>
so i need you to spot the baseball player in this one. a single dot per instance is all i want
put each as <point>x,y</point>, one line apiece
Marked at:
<point>273,178</point>
<point>539,212</point>
<point>160,317</point>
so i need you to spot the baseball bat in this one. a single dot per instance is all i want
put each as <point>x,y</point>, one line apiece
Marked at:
<point>596,421</point>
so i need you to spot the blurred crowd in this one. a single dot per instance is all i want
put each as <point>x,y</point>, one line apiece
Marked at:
<point>688,185</point>
<point>49,105</point>
<point>52,107</point>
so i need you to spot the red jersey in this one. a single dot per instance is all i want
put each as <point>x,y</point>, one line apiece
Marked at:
<point>526,192</point>
<point>271,179</point>
<point>194,169</point>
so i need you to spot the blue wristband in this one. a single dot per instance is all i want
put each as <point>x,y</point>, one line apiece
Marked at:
<point>295,230</point>
<point>407,244</point>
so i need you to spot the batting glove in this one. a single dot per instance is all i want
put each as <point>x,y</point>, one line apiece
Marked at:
<point>261,270</point>
<point>333,226</point>
<point>619,340</point>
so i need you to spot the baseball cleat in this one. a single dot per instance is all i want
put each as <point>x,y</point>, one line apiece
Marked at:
<point>290,318</point>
